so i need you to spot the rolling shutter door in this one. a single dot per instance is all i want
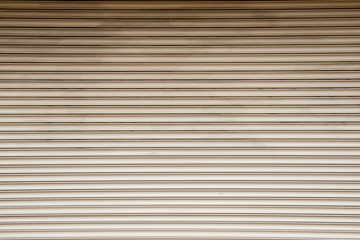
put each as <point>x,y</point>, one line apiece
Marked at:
<point>179,120</point>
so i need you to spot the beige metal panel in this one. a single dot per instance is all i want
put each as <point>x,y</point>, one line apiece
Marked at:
<point>180,41</point>
<point>177,184</point>
<point>182,118</point>
<point>224,226</point>
<point>182,160</point>
<point>179,120</point>
<point>23,83</point>
<point>200,13</point>
<point>174,23</point>
<point>208,126</point>
<point>166,143</point>
<point>184,210</point>
<point>179,169</point>
<point>90,57</point>
<point>180,32</point>
<point>179,135</point>
<point>179,67</point>
<point>201,75</point>
<point>178,92</point>
<point>281,109</point>
<point>173,201</point>
<point>181,226</point>
<point>180,101</point>
<point>281,4</point>
<point>187,151</point>
<point>260,219</point>
<point>280,177</point>
<point>191,234</point>
<point>251,51</point>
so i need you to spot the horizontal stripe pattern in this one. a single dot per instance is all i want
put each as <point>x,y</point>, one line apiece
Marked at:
<point>179,120</point>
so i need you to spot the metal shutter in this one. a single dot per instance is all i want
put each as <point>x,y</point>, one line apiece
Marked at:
<point>179,120</point>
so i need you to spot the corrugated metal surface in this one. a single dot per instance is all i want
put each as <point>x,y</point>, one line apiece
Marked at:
<point>179,120</point>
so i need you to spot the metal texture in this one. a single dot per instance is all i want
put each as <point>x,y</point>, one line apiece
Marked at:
<point>180,120</point>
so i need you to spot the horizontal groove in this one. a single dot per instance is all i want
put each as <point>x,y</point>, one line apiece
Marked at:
<point>182,143</point>
<point>188,114</point>
<point>186,214</point>
<point>179,13</point>
<point>136,171</point>
<point>180,148</point>
<point>184,51</point>
<point>183,126</point>
<point>256,191</point>
<point>144,193</point>
<point>109,139</point>
<point>181,101</point>
<point>188,90</point>
<point>185,118</point>
<point>276,157</point>
<point>193,235</point>
<point>100,15</point>
<point>347,174</point>
<point>164,185</point>
<point>178,41</point>
<point>69,188</point>
<point>211,133</point>
<point>175,181</point>
<point>185,97</point>
<point>178,238</point>
<point>188,132</point>
<point>192,140</point>
<point>196,228</point>
<point>175,5</point>
<point>90,138</point>
<point>153,165</point>
<point>20,83</point>
<point>191,206</point>
<point>192,191</point>
<point>195,222</point>
<point>285,223</point>
<point>338,218</point>
<point>162,173</point>
<point>245,223</point>
<point>141,113</point>
<point>155,76</point>
<point>174,176</point>
<point>176,167</point>
<point>180,32</point>
<point>208,190</point>
<point>178,67</point>
<point>87,110</point>
<point>87,59</point>
<point>182,151</point>
<point>180,198</point>
<point>220,124</point>
<point>175,23</point>
<point>179,160</point>
<point>187,209</point>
